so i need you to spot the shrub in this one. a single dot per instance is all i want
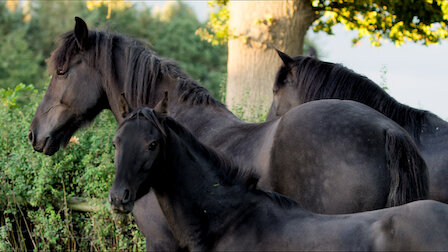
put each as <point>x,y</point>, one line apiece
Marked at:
<point>37,192</point>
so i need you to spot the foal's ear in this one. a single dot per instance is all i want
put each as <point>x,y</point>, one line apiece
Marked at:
<point>285,58</point>
<point>81,33</point>
<point>123,104</point>
<point>162,107</point>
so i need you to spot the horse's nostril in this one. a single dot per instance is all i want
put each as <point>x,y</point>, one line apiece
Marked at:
<point>126,197</point>
<point>31,137</point>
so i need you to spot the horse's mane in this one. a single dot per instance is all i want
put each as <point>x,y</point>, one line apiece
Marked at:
<point>193,93</point>
<point>227,171</point>
<point>281,200</point>
<point>317,80</point>
<point>144,68</point>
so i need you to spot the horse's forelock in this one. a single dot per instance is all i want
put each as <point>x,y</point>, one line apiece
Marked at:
<point>300,70</point>
<point>99,43</point>
<point>144,113</point>
<point>281,76</point>
<point>62,54</point>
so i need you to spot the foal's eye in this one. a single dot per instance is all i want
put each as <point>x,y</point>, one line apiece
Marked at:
<point>152,146</point>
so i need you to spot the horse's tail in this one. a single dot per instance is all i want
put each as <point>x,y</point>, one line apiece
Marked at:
<point>408,171</point>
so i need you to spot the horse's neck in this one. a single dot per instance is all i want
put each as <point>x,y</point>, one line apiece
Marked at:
<point>244,143</point>
<point>193,196</point>
<point>434,132</point>
<point>203,120</point>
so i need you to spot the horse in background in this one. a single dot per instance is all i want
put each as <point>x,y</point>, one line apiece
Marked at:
<point>330,164</point>
<point>305,79</point>
<point>211,206</point>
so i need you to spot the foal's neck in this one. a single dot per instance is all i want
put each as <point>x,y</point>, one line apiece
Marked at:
<point>194,197</point>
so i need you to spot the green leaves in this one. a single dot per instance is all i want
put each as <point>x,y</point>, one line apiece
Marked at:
<point>10,97</point>
<point>35,189</point>
<point>397,20</point>
<point>217,31</point>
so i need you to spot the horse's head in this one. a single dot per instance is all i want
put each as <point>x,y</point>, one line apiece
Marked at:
<point>138,143</point>
<point>285,92</point>
<point>74,96</point>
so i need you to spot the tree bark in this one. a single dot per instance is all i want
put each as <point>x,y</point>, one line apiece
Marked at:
<point>261,26</point>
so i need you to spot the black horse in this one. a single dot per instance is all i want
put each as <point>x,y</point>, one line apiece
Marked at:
<point>304,79</point>
<point>329,163</point>
<point>211,206</point>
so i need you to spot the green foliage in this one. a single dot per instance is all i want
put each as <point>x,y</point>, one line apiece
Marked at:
<point>423,21</point>
<point>18,62</point>
<point>35,189</point>
<point>48,20</point>
<point>217,31</point>
<point>383,82</point>
<point>249,113</point>
<point>12,97</point>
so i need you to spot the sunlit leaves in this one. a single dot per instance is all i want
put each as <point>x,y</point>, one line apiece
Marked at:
<point>397,20</point>
<point>217,30</point>
<point>12,5</point>
<point>111,5</point>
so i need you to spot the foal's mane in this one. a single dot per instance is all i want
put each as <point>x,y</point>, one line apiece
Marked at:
<point>317,79</point>
<point>226,170</point>
<point>143,67</point>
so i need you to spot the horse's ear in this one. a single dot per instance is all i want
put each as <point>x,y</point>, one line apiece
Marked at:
<point>312,52</point>
<point>285,58</point>
<point>81,33</point>
<point>162,107</point>
<point>125,109</point>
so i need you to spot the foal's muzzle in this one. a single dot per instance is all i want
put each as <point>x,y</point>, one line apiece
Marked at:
<point>120,200</point>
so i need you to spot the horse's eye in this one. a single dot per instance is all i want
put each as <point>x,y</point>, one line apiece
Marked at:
<point>275,90</point>
<point>152,146</point>
<point>62,72</point>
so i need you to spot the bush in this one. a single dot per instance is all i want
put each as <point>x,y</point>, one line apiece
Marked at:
<point>37,192</point>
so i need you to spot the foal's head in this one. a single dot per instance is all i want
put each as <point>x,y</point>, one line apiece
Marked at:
<point>139,144</point>
<point>74,96</point>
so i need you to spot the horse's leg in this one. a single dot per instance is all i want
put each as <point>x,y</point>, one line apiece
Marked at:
<point>152,223</point>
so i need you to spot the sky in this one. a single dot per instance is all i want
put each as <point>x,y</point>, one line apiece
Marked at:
<point>415,75</point>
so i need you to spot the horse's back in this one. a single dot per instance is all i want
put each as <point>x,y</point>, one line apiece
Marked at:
<point>417,226</point>
<point>330,156</point>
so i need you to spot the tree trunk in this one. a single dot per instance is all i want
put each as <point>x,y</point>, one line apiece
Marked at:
<point>261,26</point>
